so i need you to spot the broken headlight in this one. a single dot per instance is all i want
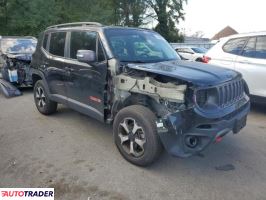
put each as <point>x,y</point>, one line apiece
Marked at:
<point>207,98</point>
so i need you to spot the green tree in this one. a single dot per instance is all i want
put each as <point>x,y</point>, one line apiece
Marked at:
<point>24,17</point>
<point>129,12</point>
<point>84,10</point>
<point>168,13</point>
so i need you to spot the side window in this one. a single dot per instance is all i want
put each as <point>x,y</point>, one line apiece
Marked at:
<point>261,47</point>
<point>101,56</point>
<point>82,41</point>
<point>235,46</point>
<point>57,43</point>
<point>45,40</point>
<point>250,48</point>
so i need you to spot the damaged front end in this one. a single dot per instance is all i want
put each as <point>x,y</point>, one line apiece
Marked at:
<point>17,54</point>
<point>190,115</point>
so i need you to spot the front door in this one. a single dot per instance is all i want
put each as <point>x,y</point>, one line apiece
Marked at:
<point>55,66</point>
<point>86,82</point>
<point>230,50</point>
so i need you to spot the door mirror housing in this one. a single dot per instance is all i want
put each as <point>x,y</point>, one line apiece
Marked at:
<point>86,56</point>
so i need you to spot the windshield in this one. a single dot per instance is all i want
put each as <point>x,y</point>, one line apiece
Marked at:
<point>18,46</point>
<point>131,45</point>
<point>199,50</point>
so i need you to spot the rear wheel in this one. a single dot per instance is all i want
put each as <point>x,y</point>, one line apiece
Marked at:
<point>42,101</point>
<point>135,135</point>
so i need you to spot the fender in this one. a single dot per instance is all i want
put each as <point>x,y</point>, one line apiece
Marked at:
<point>41,74</point>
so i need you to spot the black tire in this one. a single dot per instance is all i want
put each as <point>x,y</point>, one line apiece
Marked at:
<point>144,119</point>
<point>42,102</point>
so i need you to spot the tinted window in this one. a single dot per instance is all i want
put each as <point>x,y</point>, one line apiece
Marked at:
<point>82,41</point>
<point>44,44</point>
<point>57,43</point>
<point>235,46</point>
<point>261,47</point>
<point>249,50</point>
<point>101,56</point>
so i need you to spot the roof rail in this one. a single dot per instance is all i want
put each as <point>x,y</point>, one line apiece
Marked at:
<point>75,24</point>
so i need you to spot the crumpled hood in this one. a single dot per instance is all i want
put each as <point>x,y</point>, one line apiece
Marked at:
<point>195,72</point>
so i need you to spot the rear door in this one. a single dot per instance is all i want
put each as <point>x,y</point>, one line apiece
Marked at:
<point>252,64</point>
<point>55,66</point>
<point>86,82</point>
<point>231,49</point>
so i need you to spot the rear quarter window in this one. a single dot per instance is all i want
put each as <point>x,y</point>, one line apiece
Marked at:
<point>235,46</point>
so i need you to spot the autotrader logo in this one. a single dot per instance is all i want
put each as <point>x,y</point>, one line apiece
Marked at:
<point>26,193</point>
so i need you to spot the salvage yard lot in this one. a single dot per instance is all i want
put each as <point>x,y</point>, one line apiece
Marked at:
<point>76,155</point>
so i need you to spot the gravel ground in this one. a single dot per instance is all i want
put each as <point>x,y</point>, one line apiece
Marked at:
<point>76,155</point>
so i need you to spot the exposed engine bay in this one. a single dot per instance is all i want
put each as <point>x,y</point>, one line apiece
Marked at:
<point>164,95</point>
<point>149,86</point>
<point>16,53</point>
<point>17,70</point>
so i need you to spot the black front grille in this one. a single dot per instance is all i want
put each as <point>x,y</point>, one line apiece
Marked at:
<point>230,92</point>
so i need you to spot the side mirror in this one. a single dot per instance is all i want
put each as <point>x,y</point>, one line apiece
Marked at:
<point>86,56</point>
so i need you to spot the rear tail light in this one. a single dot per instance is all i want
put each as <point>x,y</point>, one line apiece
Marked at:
<point>206,59</point>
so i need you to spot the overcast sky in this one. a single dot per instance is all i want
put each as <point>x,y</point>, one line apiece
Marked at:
<point>210,16</point>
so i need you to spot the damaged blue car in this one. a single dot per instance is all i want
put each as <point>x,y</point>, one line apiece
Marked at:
<point>16,52</point>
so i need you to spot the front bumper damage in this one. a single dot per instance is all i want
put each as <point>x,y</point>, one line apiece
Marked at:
<point>187,133</point>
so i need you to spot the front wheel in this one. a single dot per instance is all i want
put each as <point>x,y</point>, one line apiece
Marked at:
<point>42,101</point>
<point>135,135</point>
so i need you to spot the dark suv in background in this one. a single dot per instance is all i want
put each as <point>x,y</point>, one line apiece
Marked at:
<point>132,78</point>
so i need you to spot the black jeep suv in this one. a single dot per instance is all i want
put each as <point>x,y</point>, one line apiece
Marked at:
<point>132,78</point>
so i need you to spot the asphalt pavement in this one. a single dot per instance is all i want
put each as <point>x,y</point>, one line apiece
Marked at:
<point>76,155</point>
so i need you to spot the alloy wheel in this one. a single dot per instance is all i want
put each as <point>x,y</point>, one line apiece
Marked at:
<point>40,96</point>
<point>132,137</point>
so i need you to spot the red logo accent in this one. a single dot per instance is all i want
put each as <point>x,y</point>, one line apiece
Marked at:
<point>95,99</point>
